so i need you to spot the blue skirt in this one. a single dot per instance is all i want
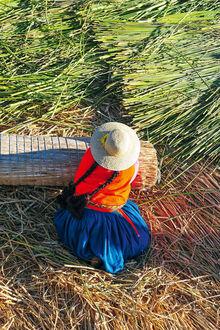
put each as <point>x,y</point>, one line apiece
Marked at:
<point>108,236</point>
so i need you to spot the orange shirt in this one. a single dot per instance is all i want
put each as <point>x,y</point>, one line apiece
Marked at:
<point>114,194</point>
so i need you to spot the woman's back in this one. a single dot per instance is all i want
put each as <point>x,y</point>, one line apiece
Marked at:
<point>114,194</point>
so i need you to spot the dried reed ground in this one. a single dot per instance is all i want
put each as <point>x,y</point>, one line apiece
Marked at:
<point>174,287</point>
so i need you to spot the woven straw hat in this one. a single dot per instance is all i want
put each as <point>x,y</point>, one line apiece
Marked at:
<point>115,146</point>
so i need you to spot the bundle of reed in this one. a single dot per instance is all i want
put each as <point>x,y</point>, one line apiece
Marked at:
<point>52,161</point>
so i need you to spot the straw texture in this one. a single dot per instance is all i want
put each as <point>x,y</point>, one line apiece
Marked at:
<point>52,161</point>
<point>42,286</point>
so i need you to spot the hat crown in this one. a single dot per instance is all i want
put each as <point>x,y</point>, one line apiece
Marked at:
<point>117,142</point>
<point>115,146</point>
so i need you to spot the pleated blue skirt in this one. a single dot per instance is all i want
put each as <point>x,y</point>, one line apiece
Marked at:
<point>108,236</point>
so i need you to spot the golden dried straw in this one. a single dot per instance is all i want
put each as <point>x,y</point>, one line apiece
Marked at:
<point>42,286</point>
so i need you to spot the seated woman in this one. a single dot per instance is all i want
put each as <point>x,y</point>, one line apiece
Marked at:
<point>96,221</point>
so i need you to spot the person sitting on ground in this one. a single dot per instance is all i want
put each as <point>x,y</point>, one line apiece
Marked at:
<point>96,220</point>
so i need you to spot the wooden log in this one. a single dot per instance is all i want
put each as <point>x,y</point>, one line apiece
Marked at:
<point>52,161</point>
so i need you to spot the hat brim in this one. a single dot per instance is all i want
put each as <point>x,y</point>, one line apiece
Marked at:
<point>115,163</point>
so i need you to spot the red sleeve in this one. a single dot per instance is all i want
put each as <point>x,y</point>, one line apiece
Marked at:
<point>95,179</point>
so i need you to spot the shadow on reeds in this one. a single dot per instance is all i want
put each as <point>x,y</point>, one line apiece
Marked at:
<point>104,91</point>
